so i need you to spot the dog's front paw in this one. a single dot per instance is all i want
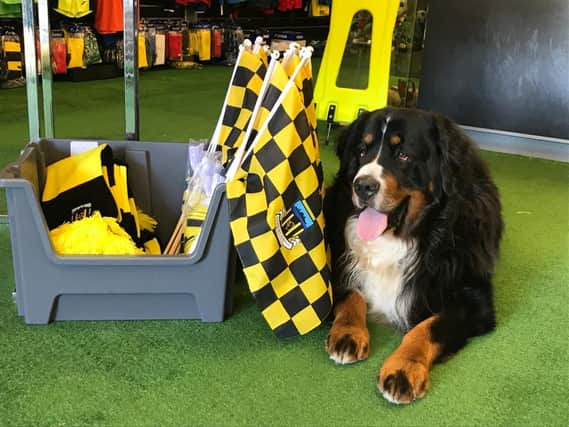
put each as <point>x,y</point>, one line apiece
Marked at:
<point>347,344</point>
<point>402,380</point>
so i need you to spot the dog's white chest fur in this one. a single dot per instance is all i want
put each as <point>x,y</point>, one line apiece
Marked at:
<point>376,268</point>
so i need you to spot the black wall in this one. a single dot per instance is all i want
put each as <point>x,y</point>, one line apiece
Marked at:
<point>499,64</point>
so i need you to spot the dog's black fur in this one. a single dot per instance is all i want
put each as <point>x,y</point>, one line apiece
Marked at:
<point>457,230</point>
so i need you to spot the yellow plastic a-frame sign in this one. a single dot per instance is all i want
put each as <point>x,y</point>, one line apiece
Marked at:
<point>341,104</point>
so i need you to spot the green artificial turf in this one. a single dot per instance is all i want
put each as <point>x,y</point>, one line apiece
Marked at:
<point>147,373</point>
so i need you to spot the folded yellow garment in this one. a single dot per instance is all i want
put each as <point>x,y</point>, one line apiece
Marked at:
<point>93,235</point>
<point>14,66</point>
<point>10,46</point>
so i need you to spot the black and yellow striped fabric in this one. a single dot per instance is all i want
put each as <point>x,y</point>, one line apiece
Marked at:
<point>305,86</point>
<point>274,90</point>
<point>277,222</point>
<point>194,222</point>
<point>80,185</point>
<point>241,100</point>
<point>128,214</point>
<point>10,58</point>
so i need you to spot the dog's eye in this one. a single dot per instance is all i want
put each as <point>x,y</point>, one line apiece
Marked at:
<point>402,156</point>
<point>362,152</point>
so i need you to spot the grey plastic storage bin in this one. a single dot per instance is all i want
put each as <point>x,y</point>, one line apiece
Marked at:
<point>52,287</point>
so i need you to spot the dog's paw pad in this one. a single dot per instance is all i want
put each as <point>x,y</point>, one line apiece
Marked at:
<point>348,344</point>
<point>403,382</point>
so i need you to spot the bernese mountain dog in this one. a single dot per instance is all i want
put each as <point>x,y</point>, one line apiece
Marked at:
<point>414,224</point>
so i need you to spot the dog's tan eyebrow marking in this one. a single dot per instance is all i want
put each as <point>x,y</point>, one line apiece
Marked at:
<point>368,138</point>
<point>394,139</point>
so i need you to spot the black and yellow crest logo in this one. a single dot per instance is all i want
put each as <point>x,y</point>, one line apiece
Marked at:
<point>291,222</point>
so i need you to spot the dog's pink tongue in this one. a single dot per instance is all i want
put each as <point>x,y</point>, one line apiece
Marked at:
<point>371,224</point>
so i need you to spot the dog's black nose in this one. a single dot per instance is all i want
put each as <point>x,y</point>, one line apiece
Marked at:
<point>366,187</point>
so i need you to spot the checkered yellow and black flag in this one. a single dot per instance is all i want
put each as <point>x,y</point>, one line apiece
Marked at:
<point>305,85</point>
<point>268,96</point>
<point>275,203</point>
<point>240,102</point>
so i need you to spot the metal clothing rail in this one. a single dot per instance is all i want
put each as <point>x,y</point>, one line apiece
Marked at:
<point>130,39</point>
<point>31,73</point>
<point>131,69</point>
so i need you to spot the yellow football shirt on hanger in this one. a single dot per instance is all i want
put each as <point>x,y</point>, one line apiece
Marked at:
<point>73,8</point>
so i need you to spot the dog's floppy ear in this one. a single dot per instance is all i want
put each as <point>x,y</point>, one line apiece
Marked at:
<point>347,137</point>
<point>441,162</point>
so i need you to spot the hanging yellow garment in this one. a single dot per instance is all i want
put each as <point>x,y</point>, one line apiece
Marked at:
<point>317,9</point>
<point>73,8</point>
<point>194,42</point>
<point>75,48</point>
<point>205,44</point>
<point>142,59</point>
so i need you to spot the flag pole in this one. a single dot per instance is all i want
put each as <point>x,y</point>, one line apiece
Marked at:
<point>304,60</point>
<point>214,139</point>
<point>236,162</point>
<point>290,52</point>
<point>258,44</point>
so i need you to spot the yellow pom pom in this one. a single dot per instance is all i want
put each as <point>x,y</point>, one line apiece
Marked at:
<point>94,235</point>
